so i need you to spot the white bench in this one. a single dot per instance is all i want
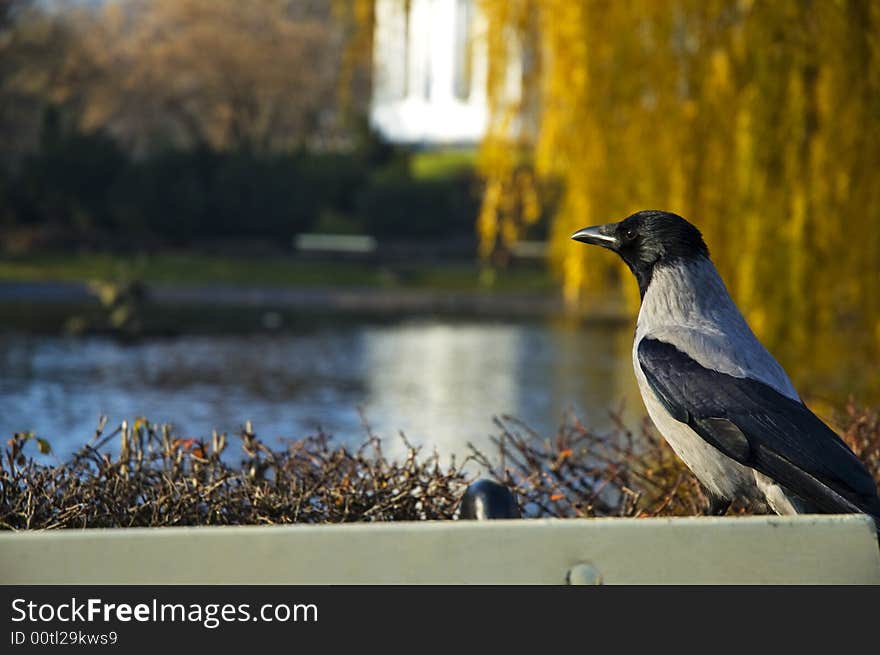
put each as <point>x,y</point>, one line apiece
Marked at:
<point>700,550</point>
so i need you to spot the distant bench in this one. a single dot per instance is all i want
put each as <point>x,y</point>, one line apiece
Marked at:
<point>329,243</point>
<point>364,245</point>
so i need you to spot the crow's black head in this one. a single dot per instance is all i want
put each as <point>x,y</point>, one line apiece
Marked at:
<point>647,239</point>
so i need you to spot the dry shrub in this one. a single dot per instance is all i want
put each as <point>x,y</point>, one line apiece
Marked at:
<point>579,472</point>
<point>860,429</point>
<point>157,479</point>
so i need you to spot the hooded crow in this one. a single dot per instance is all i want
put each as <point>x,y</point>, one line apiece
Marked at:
<point>715,393</point>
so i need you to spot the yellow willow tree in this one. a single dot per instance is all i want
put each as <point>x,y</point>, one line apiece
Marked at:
<point>757,120</point>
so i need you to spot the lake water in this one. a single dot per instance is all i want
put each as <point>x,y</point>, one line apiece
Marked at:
<point>438,381</point>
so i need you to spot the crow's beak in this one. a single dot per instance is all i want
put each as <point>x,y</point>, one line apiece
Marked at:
<point>599,235</point>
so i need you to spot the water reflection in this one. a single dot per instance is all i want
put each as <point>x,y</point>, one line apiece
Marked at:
<point>442,383</point>
<point>438,381</point>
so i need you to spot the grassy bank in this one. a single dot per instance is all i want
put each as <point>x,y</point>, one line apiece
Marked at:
<point>159,478</point>
<point>273,270</point>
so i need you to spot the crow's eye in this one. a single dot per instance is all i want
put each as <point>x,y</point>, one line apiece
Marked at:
<point>630,235</point>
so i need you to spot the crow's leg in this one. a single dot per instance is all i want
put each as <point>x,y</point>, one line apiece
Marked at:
<point>717,505</point>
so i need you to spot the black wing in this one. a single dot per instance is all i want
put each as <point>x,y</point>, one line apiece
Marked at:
<point>759,427</point>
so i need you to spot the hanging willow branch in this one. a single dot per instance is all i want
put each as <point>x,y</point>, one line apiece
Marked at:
<point>757,120</point>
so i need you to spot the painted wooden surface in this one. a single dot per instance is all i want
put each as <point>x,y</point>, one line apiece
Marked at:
<point>760,549</point>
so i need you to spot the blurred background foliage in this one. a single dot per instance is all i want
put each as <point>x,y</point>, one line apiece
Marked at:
<point>757,120</point>
<point>179,120</point>
<point>131,123</point>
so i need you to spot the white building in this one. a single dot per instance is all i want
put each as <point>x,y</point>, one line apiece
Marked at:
<point>429,72</point>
